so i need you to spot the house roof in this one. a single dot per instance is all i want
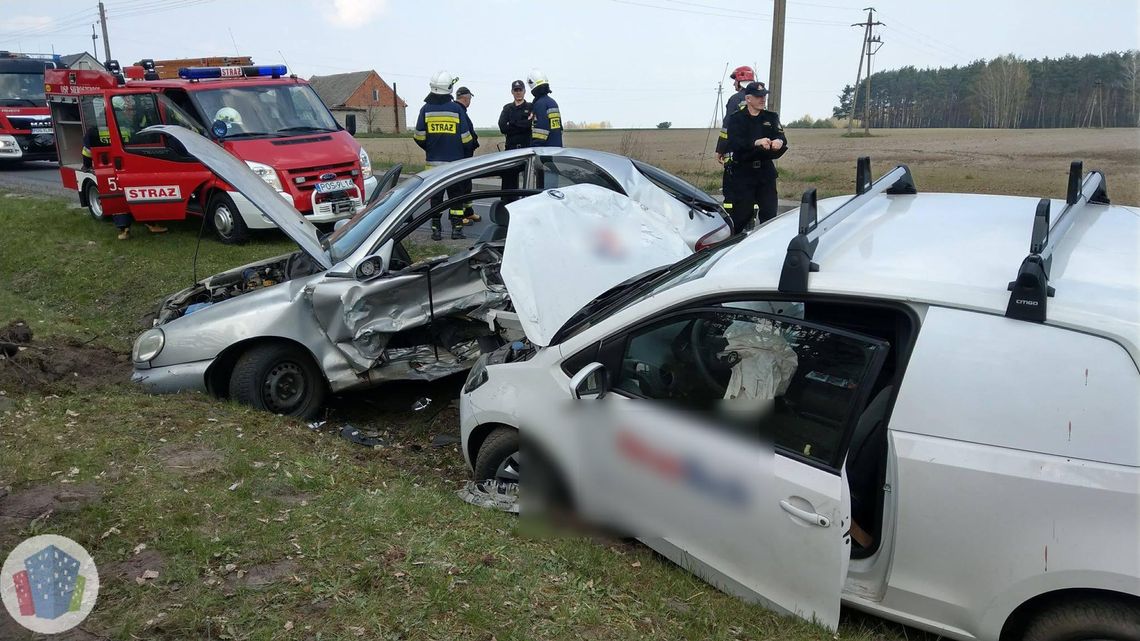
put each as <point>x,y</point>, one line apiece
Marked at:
<point>336,89</point>
<point>75,57</point>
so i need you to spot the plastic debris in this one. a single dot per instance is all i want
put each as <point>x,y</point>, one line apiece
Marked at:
<point>496,495</point>
<point>421,404</point>
<point>360,437</point>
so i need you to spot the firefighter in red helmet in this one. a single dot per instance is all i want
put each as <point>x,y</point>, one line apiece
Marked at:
<point>740,76</point>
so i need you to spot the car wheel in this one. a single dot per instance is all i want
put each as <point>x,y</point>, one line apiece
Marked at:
<point>1087,620</point>
<point>498,456</point>
<point>278,378</point>
<point>94,205</point>
<point>224,217</point>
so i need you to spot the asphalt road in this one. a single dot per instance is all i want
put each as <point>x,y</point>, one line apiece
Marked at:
<point>40,177</point>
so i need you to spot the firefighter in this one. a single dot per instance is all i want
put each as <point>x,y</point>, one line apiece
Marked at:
<point>131,120</point>
<point>740,76</point>
<point>547,130</point>
<point>463,98</point>
<point>755,139</point>
<point>443,133</point>
<point>232,118</point>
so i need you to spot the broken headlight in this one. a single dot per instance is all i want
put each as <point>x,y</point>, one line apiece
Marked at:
<point>148,345</point>
<point>477,376</point>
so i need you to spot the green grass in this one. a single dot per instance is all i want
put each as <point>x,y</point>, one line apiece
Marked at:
<point>373,543</point>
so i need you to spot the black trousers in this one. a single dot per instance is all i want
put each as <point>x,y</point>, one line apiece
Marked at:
<point>455,213</point>
<point>747,190</point>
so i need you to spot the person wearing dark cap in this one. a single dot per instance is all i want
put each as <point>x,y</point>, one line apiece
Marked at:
<point>463,98</point>
<point>740,76</point>
<point>755,139</point>
<point>515,120</point>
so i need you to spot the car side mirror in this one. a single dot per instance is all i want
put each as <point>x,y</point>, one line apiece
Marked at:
<point>371,267</point>
<point>350,123</point>
<point>592,381</point>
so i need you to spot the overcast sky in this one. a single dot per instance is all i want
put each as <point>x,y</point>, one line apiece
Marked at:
<point>631,62</point>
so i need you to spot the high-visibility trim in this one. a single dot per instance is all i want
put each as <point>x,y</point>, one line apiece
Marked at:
<point>724,134</point>
<point>728,205</point>
<point>419,135</point>
<point>445,115</point>
<point>455,213</point>
<point>543,132</point>
<point>466,138</point>
<point>446,127</point>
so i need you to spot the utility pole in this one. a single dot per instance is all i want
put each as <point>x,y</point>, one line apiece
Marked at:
<point>865,50</point>
<point>867,99</point>
<point>103,21</point>
<point>94,49</point>
<point>1100,101</point>
<point>396,107</point>
<point>776,71</point>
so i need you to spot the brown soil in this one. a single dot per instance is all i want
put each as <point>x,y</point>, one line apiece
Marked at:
<point>260,576</point>
<point>29,366</point>
<point>189,460</point>
<point>133,567</point>
<point>20,507</point>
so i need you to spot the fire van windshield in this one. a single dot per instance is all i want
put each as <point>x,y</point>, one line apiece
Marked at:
<point>22,90</point>
<point>265,110</point>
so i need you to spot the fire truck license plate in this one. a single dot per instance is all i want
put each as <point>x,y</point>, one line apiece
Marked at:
<point>334,185</point>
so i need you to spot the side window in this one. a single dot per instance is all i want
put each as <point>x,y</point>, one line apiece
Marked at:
<point>774,378</point>
<point>133,113</point>
<point>562,172</point>
<point>95,131</point>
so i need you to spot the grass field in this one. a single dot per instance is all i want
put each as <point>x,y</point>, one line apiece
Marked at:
<point>261,528</point>
<point>1023,162</point>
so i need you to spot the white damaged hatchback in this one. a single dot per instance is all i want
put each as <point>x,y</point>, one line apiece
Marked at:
<point>883,401</point>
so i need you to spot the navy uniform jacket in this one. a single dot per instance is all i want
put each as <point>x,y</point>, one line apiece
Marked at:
<point>744,130</point>
<point>469,150</point>
<point>443,130</point>
<point>547,131</point>
<point>735,103</point>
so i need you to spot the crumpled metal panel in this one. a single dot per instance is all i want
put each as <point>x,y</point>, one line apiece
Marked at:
<point>425,362</point>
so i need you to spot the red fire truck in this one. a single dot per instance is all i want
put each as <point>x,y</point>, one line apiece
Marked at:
<point>275,123</point>
<point>25,123</point>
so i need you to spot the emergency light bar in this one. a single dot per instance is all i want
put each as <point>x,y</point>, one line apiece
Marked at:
<point>252,71</point>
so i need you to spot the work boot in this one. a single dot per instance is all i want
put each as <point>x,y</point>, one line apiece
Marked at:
<point>125,233</point>
<point>457,233</point>
<point>436,232</point>
<point>469,216</point>
<point>156,229</point>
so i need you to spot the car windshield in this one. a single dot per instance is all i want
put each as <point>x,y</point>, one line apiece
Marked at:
<point>265,110</point>
<point>359,228</point>
<point>677,187</point>
<point>642,287</point>
<point>22,90</point>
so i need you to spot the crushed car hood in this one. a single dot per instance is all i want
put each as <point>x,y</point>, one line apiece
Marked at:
<point>567,246</point>
<point>235,172</point>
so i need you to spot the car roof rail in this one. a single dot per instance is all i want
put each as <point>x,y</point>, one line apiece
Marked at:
<point>797,262</point>
<point>1030,292</point>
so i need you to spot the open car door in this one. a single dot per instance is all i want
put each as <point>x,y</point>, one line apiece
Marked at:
<point>721,445</point>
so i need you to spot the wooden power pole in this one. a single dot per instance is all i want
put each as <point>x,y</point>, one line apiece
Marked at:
<point>864,51</point>
<point>776,70</point>
<point>103,21</point>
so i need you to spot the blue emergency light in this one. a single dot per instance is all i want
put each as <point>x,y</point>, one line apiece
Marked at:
<point>252,71</point>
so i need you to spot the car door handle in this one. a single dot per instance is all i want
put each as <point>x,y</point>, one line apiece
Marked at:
<point>811,517</point>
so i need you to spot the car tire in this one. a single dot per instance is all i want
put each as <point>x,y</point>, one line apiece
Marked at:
<point>278,378</point>
<point>1085,620</point>
<point>226,220</point>
<point>94,205</point>
<point>498,456</point>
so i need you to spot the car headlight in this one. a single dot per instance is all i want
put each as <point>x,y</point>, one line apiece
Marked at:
<point>148,345</point>
<point>477,376</point>
<point>267,173</point>
<point>365,164</point>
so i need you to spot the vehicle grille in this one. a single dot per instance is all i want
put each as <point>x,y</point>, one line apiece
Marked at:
<point>342,206</point>
<point>311,175</point>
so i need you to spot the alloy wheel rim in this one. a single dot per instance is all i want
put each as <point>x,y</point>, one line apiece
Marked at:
<point>508,470</point>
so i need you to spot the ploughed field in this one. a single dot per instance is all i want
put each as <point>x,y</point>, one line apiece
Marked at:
<point>1023,162</point>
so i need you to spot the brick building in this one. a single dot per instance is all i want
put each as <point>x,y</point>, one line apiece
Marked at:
<point>377,107</point>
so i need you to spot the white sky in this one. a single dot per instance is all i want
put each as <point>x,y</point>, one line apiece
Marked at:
<point>632,62</point>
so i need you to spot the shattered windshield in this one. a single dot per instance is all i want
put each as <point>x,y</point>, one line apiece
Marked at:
<point>359,228</point>
<point>265,110</point>
<point>22,90</point>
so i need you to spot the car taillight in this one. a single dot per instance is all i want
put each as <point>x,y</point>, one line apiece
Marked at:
<point>714,237</point>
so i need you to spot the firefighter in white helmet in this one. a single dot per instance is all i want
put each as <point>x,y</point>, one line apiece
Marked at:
<point>547,131</point>
<point>443,132</point>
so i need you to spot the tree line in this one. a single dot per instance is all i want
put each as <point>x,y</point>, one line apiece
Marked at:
<point>1007,92</point>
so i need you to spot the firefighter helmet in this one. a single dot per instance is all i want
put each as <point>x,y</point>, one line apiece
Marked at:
<point>118,102</point>
<point>228,115</point>
<point>536,78</point>
<point>743,75</point>
<point>442,82</point>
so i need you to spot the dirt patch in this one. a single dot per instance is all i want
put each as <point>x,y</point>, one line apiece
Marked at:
<point>260,576</point>
<point>133,567</point>
<point>189,460</point>
<point>28,366</point>
<point>38,500</point>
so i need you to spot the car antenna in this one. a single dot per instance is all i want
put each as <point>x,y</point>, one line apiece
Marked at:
<point>1030,292</point>
<point>801,249</point>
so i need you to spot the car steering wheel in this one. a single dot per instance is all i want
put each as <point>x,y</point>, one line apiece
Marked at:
<point>704,356</point>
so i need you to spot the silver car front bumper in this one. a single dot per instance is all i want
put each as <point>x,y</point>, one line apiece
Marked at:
<point>170,379</point>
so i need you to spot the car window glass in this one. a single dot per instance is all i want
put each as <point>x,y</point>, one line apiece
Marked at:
<point>95,131</point>
<point>133,113</point>
<point>556,172</point>
<point>772,378</point>
<point>360,227</point>
<point>672,184</point>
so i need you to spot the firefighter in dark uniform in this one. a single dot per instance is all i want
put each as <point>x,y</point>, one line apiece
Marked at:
<point>547,130</point>
<point>755,139</point>
<point>442,132</point>
<point>515,122</point>
<point>741,76</point>
<point>463,98</point>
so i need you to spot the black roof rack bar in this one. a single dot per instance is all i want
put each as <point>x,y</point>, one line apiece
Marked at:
<point>1030,292</point>
<point>801,249</point>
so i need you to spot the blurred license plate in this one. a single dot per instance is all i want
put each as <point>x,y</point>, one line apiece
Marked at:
<point>42,130</point>
<point>334,185</point>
